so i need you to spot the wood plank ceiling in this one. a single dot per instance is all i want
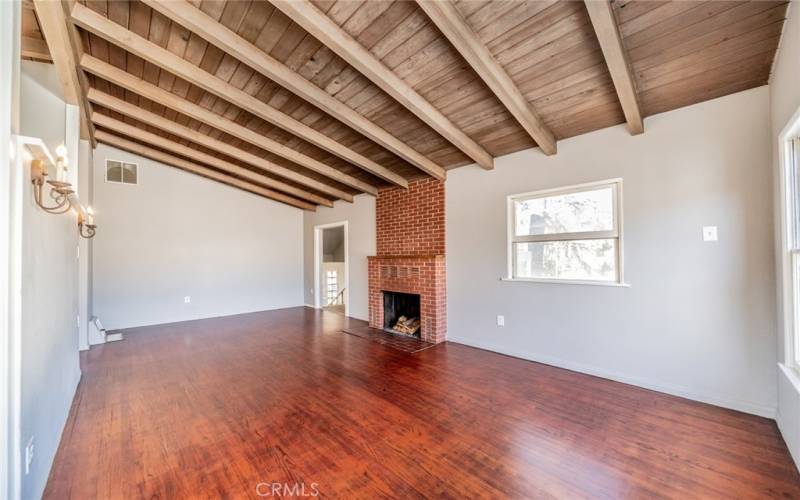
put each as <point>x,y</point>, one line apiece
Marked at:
<point>247,93</point>
<point>32,44</point>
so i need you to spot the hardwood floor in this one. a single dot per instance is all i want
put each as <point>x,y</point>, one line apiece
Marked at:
<point>213,408</point>
<point>338,309</point>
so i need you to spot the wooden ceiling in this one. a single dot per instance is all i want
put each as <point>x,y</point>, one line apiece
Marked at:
<point>310,102</point>
<point>32,45</point>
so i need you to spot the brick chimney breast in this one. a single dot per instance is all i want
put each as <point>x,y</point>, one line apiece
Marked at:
<point>411,254</point>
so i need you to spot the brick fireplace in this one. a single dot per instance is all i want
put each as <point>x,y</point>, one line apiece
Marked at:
<point>411,254</point>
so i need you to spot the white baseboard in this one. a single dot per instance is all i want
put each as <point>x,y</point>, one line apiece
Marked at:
<point>114,337</point>
<point>761,411</point>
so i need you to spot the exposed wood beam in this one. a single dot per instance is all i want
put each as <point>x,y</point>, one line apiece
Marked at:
<point>52,21</point>
<point>154,154</point>
<point>56,31</point>
<point>35,48</point>
<point>446,17</point>
<point>605,26</point>
<point>87,131</point>
<point>133,132</point>
<point>166,60</point>
<point>174,128</point>
<point>157,94</point>
<point>217,34</point>
<point>326,31</point>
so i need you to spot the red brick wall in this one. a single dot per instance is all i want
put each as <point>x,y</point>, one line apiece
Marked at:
<point>425,276</point>
<point>410,231</point>
<point>411,222</point>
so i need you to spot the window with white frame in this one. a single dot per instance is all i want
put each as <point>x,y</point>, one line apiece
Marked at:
<point>122,172</point>
<point>793,199</point>
<point>331,286</point>
<point>570,234</point>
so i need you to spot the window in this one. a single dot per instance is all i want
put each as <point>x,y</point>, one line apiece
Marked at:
<point>793,198</point>
<point>121,172</point>
<point>572,234</point>
<point>789,148</point>
<point>331,286</point>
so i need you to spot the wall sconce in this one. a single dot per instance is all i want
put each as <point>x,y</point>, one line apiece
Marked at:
<point>86,225</point>
<point>61,192</point>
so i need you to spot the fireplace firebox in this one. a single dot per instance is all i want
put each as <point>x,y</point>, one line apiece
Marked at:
<point>401,313</point>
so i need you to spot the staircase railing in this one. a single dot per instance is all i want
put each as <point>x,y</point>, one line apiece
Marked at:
<point>338,300</point>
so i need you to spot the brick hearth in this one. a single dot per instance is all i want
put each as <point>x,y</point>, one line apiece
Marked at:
<point>411,254</point>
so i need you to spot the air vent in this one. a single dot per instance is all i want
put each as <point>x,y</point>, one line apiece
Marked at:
<point>121,172</point>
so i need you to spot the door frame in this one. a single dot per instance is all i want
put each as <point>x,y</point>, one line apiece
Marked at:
<point>318,264</point>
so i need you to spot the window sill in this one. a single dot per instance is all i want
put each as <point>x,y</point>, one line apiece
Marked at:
<point>569,282</point>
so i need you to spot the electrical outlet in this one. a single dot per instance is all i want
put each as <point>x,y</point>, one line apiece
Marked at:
<point>28,456</point>
<point>501,320</point>
<point>709,233</point>
<point>78,321</point>
<point>187,300</point>
<point>311,290</point>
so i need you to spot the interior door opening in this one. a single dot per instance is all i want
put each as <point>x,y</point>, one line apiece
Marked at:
<point>331,277</point>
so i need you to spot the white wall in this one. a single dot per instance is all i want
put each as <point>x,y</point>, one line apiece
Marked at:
<point>698,320</point>
<point>43,110</point>
<point>360,217</point>
<point>50,368</point>
<point>784,101</point>
<point>50,364</point>
<point>177,234</point>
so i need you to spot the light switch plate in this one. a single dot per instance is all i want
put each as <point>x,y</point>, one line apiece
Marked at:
<point>709,233</point>
<point>501,320</point>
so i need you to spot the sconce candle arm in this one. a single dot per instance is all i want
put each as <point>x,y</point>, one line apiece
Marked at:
<point>86,230</point>
<point>61,197</point>
<point>61,192</point>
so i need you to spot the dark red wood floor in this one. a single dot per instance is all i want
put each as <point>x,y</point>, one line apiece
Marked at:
<point>221,407</point>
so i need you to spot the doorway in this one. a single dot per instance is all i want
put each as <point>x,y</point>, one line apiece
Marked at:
<point>331,267</point>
